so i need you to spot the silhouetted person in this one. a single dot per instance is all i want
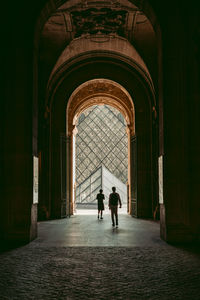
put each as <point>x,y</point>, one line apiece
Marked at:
<point>114,199</point>
<point>100,198</point>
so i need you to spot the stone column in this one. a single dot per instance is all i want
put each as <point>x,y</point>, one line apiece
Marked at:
<point>19,220</point>
<point>133,176</point>
<point>69,176</point>
<point>174,210</point>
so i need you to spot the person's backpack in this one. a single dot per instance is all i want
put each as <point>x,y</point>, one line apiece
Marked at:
<point>114,199</point>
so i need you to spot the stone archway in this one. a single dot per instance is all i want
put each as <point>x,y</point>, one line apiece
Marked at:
<point>111,56</point>
<point>120,72</point>
<point>95,92</point>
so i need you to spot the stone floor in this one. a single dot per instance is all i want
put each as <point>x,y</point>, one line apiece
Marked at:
<point>85,258</point>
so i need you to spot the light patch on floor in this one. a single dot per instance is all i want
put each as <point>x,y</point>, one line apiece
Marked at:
<point>94,211</point>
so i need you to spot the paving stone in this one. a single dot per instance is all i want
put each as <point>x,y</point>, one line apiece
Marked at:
<point>52,268</point>
<point>99,273</point>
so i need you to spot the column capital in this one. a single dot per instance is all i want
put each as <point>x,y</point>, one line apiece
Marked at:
<point>130,130</point>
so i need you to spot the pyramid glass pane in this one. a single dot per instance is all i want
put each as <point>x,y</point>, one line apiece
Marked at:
<point>101,141</point>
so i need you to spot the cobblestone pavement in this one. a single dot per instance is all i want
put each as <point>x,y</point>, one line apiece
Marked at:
<point>44,271</point>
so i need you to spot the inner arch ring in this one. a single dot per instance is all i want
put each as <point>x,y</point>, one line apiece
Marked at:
<point>97,92</point>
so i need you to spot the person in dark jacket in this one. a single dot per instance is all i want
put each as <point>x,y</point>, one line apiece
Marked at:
<point>100,198</point>
<point>114,200</point>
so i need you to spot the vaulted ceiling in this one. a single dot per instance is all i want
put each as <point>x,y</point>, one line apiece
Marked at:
<point>78,18</point>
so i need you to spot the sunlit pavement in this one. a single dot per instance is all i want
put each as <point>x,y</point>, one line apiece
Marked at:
<point>85,229</point>
<point>122,210</point>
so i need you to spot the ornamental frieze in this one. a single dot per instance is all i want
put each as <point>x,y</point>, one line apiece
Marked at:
<point>99,20</point>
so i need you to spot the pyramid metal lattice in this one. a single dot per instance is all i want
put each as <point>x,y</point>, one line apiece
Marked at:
<point>87,191</point>
<point>101,139</point>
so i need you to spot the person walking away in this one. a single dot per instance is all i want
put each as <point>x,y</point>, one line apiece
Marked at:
<point>114,200</point>
<point>100,198</point>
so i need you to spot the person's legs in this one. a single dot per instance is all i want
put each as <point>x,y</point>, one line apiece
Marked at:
<point>101,214</point>
<point>112,216</point>
<point>116,216</point>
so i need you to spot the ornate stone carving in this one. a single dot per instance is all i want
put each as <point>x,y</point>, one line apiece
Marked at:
<point>100,91</point>
<point>99,20</point>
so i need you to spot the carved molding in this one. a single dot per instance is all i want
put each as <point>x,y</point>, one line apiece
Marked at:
<point>97,92</point>
<point>99,20</point>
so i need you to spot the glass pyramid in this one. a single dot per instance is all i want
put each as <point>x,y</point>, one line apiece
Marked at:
<point>101,140</point>
<point>87,191</point>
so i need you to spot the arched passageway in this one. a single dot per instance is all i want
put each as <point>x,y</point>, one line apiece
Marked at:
<point>35,100</point>
<point>95,92</point>
<point>99,68</point>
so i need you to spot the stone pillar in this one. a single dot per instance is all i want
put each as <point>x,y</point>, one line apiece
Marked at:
<point>174,210</point>
<point>73,197</point>
<point>133,176</point>
<point>69,176</point>
<point>144,162</point>
<point>63,175</point>
<point>44,206</point>
<point>19,220</point>
<point>193,90</point>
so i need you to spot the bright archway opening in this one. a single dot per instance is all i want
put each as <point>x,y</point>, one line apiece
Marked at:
<point>100,116</point>
<point>100,158</point>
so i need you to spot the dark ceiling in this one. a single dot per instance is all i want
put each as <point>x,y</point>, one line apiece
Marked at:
<point>76,18</point>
